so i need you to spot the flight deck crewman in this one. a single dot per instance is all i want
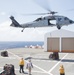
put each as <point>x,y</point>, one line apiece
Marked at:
<point>61,69</point>
<point>21,64</point>
<point>29,66</point>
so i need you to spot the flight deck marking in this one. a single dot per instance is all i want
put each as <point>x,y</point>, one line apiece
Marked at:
<point>57,63</point>
<point>33,64</point>
<point>8,57</point>
<point>43,60</point>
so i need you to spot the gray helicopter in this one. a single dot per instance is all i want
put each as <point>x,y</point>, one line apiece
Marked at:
<point>47,21</point>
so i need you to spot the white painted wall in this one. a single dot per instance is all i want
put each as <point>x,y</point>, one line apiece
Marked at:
<point>57,33</point>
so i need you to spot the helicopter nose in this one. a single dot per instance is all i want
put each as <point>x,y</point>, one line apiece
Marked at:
<point>71,21</point>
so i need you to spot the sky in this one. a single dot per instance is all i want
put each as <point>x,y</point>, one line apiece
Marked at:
<point>18,8</point>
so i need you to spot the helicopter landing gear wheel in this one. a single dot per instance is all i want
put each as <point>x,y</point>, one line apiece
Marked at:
<point>58,27</point>
<point>22,30</point>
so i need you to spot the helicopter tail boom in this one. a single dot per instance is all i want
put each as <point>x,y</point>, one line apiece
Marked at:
<point>14,22</point>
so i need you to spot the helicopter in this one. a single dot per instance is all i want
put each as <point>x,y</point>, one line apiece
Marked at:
<point>46,21</point>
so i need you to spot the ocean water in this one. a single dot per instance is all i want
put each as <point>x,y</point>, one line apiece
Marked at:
<point>9,45</point>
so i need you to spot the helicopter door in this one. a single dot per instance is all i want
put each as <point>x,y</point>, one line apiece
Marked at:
<point>51,22</point>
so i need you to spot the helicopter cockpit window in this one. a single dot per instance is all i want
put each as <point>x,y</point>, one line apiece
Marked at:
<point>59,19</point>
<point>38,19</point>
<point>65,18</point>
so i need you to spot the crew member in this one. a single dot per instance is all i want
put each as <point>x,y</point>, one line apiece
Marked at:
<point>29,66</point>
<point>21,64</point>
<point>61,69</point>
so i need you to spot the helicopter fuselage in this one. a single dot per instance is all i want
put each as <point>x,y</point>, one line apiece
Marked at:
<point>46,21</point>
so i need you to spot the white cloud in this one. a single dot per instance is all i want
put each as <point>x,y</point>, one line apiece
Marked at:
<point>3,13</point>
<point>8,33</point>
<point>5,24</point>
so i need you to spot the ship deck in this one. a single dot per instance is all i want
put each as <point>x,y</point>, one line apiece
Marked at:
<point>40,59</point>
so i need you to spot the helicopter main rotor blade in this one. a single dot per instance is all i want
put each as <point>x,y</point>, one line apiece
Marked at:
<point>36,14</point>
<point>43,3</point>
<point>52,12</point>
